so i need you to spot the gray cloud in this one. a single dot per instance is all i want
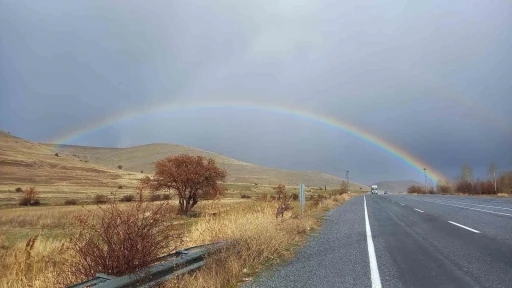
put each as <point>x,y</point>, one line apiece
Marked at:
<point>431,77</point>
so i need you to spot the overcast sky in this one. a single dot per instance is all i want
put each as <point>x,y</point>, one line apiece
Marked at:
<point>431,77</point>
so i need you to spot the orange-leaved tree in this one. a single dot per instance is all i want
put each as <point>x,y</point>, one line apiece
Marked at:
<point>190,176</point>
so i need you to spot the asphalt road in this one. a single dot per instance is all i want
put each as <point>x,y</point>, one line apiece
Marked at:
<point>405,241</point>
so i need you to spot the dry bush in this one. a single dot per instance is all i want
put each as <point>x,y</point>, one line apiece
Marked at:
<point>343,188</point>
<point>444,188</point>
<point>71,202</point>
<point>283,206</point>
<point>416,189</point>
<point>29,197</point>
<point>484,187</point>
<point>119,240</point>
<point>504,183</point>
<point>295,196</point>
<point>100,199</point>
<point>155,197</point>
<point>127,198</point>
<point>464,187</point>
<point>280,191</point>
<point>18,189</point>
<point>119,166</point>
<point>245,196</point>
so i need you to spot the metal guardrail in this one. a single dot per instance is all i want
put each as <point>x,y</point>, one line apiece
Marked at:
<point>162,269</point>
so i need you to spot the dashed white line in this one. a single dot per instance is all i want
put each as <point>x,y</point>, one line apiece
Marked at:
<point>482,210</point>
<point>374,269</point>
<point>473,230</point>
<point>419,210</point>
<point>402,204</point>
<point>488,206</point>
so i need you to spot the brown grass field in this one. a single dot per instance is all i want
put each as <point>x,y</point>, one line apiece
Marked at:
<point>258,238</point>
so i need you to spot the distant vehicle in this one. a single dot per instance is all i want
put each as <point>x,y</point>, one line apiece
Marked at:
<point>374,189</point>
<point>385,192</point>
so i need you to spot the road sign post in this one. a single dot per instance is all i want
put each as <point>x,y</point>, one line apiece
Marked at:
<point>302,197</point>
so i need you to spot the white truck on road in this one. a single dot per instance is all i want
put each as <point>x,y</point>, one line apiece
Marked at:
<point>374,189</point>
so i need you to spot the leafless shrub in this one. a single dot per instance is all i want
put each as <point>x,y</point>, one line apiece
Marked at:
<point>284,206</point>
<point>416,189</point>
<point>343,188</point>
<point>18,189</point>
<point>444,188</point>
<point>245,196</point>
<point>280,191</point>
<point>29,197</point>
<point>119,240</point>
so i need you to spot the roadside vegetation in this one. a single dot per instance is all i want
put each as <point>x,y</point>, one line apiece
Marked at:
<point>498,184</point>
<point>53,246</point>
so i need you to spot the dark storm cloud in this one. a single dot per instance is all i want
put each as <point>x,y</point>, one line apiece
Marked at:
<point>432,77</point>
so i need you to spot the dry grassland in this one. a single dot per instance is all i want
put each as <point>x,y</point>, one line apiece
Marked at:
<point>257,238</point>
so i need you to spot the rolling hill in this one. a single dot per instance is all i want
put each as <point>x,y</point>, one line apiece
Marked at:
<point>396,186</point>
<point>142,158</point>
<point>24,163</point>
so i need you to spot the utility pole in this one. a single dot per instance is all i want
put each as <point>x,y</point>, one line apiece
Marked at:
<point>348,182</point>
<point>426,179</point>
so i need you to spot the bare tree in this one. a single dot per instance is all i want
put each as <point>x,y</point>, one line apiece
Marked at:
<point>492,175</point>
<point>467,173</point>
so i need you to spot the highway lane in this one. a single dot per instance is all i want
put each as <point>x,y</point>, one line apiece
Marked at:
<point>417,241</point>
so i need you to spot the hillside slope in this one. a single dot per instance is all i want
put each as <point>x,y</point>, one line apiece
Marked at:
<point>396,186</point>
<point>142,158</point>
<point>23,163</point>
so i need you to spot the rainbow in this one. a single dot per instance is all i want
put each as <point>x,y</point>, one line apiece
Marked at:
<point>363,135</point>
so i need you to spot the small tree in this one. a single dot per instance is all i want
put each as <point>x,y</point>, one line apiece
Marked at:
<point>190,176</point>
<point>280,191</point>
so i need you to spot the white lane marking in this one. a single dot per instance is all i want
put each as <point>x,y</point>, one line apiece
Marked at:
<point>442,203</point>
<point>476,231</point>
<point>419,210</point>
<point>401,204</point>
<point>449,201</point>
<point>374,268</point>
